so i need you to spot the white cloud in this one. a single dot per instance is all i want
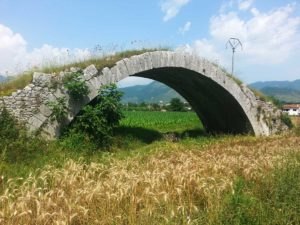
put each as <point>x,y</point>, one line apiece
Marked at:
<point>15,58</point>
<point>203,48</point>
<point>48,55</point>
<point>12,46</point>
<point>185,28</point>
<point>268,37</point>
<point>132,81</point>
<point>172,7</point>
<point>245,4</point>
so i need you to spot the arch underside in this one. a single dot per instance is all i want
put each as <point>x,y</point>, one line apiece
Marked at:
<point>218,110</point>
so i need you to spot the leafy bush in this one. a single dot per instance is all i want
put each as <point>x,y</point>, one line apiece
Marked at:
<point>58,108</point>
<point>76,85</point>
<point>9,130</point>
<point>286,120</point>
<point>15,145</point>
<point>77,141</point>
<point>98,119</point>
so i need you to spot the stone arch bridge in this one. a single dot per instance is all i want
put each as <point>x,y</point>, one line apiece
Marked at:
<point>222,104</point>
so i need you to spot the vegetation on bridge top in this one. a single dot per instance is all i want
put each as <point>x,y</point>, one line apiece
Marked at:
<point>21,80</point>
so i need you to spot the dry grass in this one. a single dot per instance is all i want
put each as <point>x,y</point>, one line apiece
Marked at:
<point>296,121</point>
<point>14,84</point>
<point>165,187</point>
<point>21,80</point>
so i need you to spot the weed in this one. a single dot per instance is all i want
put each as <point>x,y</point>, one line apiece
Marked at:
<point>18,82</point>
<point>76,86</point>
<point>273,200</point>
<point>59,109</point>
<point>286,120</point>
<point>171,185</point>
<point>21,80</point>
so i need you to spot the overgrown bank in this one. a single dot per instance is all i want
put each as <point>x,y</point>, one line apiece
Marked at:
<point>202,180</point>
<point>232,180</point>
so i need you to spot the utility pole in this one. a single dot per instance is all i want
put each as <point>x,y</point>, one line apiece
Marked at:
<point>234,43</point>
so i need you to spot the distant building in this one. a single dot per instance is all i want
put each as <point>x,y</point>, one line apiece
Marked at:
<point>291,109</point>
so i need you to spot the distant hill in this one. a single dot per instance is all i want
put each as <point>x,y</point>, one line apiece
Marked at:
<point>2,78</point>
<point>285,91</point>
<point>293,85</point>
<point>153,92</point>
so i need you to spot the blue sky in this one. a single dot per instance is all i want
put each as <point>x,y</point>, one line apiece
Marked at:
<point>40,32</point>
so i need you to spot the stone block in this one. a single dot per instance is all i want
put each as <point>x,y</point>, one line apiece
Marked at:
<point>148,61</point>
<point>135,65</point>
<point>90,72</point>
<point>155,60</point>
<point>44,109</point>
<point>114,77</point>
<point>41,79</point>
<point>129,66</point>
<point>122,68</point>
<point>34,123</point>
<point>106,75</point>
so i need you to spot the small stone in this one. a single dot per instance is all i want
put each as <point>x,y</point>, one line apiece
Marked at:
<point>74,69</point>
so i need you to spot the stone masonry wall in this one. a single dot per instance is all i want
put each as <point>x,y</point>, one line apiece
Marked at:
<point>29,105</point>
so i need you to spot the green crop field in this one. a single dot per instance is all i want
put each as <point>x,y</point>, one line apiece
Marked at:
<point>162,121</point>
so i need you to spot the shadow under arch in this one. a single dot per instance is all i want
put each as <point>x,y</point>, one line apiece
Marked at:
<point>218,110</point>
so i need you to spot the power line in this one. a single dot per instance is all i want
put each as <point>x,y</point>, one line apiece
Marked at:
<point>234,43</point>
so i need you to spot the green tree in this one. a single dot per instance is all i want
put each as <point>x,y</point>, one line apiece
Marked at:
<point>176,105</point>
<point>155,107</point>
<point>99,119</point>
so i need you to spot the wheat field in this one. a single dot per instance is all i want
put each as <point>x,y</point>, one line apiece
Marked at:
<point>165,187</point>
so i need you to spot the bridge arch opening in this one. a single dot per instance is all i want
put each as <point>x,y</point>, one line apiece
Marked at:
<point>217,109</point>
<point>149,104</point>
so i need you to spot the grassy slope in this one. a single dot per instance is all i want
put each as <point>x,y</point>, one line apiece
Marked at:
<point>200,180</point>
<point>283,94</point>
<point>138,129</point>
<point>285,91</point>
<point>196,181</point>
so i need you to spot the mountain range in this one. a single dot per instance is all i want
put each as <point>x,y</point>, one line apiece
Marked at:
<point>150,93</point>
<point>285,91</point>
<point>2,78</point>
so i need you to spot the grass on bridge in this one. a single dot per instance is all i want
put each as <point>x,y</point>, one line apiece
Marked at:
<point>21,80</point>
